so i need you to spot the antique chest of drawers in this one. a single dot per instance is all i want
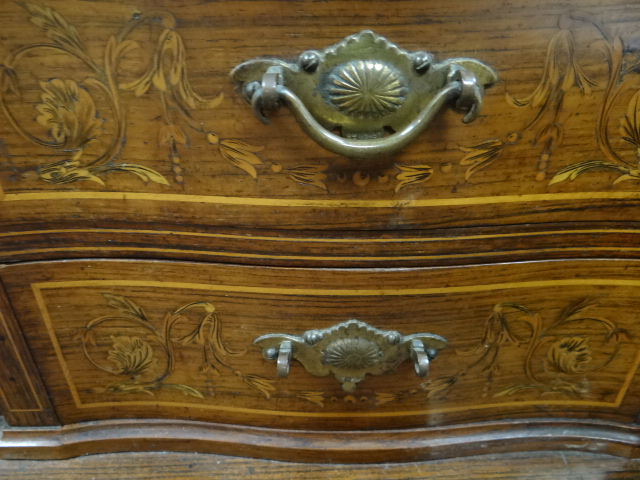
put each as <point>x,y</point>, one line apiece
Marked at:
<point>371,276</point>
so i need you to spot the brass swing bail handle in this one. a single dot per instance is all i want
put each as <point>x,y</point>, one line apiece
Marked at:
<point>350,351</point>
<point>364,97</point>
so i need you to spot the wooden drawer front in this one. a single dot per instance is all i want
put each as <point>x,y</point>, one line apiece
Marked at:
<point>174,340</point>
<point>546,145</point>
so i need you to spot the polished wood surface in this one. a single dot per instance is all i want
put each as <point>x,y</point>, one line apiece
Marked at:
<point>23,397</point>
<point>185,466</point>
<point>327,249</point>
<point>313,446</point>
<point>193,158</point>
<point>151,228</point>
<point>175,340</point>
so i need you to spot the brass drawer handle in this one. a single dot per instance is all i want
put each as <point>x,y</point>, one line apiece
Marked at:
<point>364,97</point>
<point>350,350</point>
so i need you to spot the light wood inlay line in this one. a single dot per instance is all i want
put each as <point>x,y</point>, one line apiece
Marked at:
<point>26,375</point>
<point>286,202</point>
<point>608,282</point>
<point>39,287</point>
<point>56,345</point>
<point>628,379</point>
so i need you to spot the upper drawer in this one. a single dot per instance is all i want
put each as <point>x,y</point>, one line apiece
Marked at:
<point>115,113</point>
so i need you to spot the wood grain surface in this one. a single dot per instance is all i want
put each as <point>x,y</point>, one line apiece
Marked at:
<point>175,340</point>
<point>23,397</point>
<point>515,237</point>
<point>461,246</point>
<point>314,446</point>
<point>184,466</point>
<point>552,144</point>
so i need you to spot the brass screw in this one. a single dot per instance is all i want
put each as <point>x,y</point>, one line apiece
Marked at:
<point>421,61</point>
<point>309,61</point>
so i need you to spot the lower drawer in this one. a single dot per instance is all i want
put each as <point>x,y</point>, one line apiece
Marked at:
<point>144,339</point>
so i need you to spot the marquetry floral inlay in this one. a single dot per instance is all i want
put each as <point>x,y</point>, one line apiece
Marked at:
<point>131,355</point>
<point>68,111</point>
<point>557,360</point>
<point>563,72</point>
<point>312,175</point>
<point>569,355</point>
<point>412,174</point>
<point>561,357</point>
<point>85,118</point>
<point>146,361</point>
<point>555,363</point>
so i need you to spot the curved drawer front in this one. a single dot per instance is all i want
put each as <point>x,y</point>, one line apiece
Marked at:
<point>175,340</point>
<point>115,116</point>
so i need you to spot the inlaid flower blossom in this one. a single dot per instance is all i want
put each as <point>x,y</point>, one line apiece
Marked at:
<point>239,153</point>
<point>168,73</point>
<point>262,385</point>
<point>569,355</point>
<point>315,397</point>
<point>134,358</point>
<point>131,355</point>
<point>561,72</point>
<point>70,114</point>
<point>309,175</point>
<point>412,175</point>
<point>481,155</point>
